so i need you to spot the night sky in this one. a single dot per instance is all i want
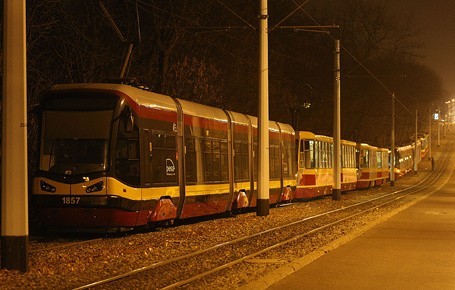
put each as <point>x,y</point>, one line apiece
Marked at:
<point>436,19</point>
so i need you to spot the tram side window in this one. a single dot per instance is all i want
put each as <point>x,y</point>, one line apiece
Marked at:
<point>288,165</point>
<point>275,162</point>
<point>207,159</point>
<point>317,154</point>
<point>330,155</point>
<point>353,150</point>
<point>224,161</point>
<point>344,156</point>
<point>164,163</point>
<point>379,159</point>
<point>300,153</point>
<point>245,160</point>
<point>325,149</point>
<point>385,159</point>
<point>351,154</point>
<point>255,160</point>
<point>372,161</point>
<point>190,160</point>
<point>365,159</point>
<point>309,154</point>
<point>216,166</point>
<point>241,160</point>
<point>215,160</point>
<point>357,159</point>
<point>321,155</point>
<point>127,167</point>
<point>324,154</point>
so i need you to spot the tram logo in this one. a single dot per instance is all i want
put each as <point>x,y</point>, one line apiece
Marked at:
<point>170,167</point>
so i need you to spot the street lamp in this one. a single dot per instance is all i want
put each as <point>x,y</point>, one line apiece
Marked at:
<point>298,106</point>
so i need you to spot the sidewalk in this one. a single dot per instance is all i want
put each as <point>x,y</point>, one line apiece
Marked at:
<point>410,247</point>
<point>414,249</point>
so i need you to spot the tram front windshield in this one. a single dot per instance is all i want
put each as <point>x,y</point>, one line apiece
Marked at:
<point>75,142</point>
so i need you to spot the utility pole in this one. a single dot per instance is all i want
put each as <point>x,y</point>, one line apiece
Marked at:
<point>439,127</point>
<point>336,190</point>
<point>14,252</point>
<point>416,154</point>
<point>392,137</point>
<point>429,138</point>
<point>263,200</point>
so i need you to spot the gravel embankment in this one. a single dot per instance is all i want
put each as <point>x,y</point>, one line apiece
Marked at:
<point>73,266</point>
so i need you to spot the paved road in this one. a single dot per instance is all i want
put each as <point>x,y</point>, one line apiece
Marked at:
<point>414,249</point>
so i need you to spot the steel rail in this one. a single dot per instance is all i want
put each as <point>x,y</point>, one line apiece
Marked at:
<point>63,245</point>
<point>312,231</point>
<point>407,191</point>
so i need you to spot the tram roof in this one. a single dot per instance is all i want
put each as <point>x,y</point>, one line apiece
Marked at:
<point>141,97</point>
<point>150,99</point>
<point>366,146</point>
<point>203,111</point>
<point>311,136</point>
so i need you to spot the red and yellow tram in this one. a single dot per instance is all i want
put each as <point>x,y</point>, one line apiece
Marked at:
<point>315,165</point>
<point>314,175</point>
<point>383,169</point>
<point>348,166</point>
<point>404,162</point>
<point>367,165</point>
<point>113,156</point>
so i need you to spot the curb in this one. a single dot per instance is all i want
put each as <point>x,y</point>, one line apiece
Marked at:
<point>292,267</point>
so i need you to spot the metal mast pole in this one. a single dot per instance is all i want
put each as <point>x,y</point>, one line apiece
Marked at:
<point>429,138</point>
<point>439,127</point>
<point>336,191</point>
<point>392,137</point>
<point>263,202</point>
<point>14,252</point>
<point>416,154</point>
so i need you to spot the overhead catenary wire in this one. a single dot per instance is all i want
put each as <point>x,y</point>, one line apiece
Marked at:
<point>392,94</point>
<point>299,7</point>
<point>236,14</point>
<point>290,14</point>
<point>218,29</point>
<point>111,21</point>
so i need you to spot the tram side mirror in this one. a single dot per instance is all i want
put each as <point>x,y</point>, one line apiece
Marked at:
<point>129,120</point>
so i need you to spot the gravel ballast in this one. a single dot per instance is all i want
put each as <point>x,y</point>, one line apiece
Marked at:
<point>79,264</point>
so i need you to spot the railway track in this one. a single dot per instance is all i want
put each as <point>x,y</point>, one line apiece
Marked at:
<point>37,245</point>
<point>230,254</point>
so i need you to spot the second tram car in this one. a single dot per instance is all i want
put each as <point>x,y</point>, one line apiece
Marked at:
<point>315,168</point>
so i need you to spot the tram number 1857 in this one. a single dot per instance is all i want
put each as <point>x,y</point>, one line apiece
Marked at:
<point>68,200</point>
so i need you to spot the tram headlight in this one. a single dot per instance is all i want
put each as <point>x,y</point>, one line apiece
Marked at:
<point>95,187</point>
<point>47,187</point>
